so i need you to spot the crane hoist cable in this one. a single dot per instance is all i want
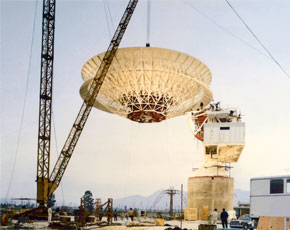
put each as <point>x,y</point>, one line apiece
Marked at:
<point>107,20</point>
<point>111,19</point>
<point>148,23</point>
<point>56,148</point>
<point>108,15</point>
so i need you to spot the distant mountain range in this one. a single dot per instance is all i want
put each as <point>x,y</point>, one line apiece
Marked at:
<point>160,200</point>
<point>157,200</point>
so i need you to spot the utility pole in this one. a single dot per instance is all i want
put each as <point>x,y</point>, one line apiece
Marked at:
<point>171,192</point>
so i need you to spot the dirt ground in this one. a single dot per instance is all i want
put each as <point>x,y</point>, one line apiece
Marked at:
<point>190,225</point>
<point>193,225</point>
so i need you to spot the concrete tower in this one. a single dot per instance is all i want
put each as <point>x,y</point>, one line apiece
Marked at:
<point>223,136</point>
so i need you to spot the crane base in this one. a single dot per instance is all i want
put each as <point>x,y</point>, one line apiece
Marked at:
<point>39,213</point>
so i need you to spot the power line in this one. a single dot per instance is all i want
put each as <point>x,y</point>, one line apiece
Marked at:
<point>255,36</point>
<point>24,104</point>
<point>226,30</point>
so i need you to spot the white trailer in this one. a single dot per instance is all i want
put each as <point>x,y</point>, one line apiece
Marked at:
<point>270,196</point>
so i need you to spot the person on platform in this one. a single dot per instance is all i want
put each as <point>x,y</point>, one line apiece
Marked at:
<point>224,218</point>
<point>214,216</point>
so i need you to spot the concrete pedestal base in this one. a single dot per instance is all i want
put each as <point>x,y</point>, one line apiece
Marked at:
<point>205,193</point>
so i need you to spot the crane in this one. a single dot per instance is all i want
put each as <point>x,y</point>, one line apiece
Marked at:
<point>48,182</point>
<point>171,192</point>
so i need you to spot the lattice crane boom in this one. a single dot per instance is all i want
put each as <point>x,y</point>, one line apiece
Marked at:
<point>45,102</point>
<point>46,184</point>
<point>86,107</point>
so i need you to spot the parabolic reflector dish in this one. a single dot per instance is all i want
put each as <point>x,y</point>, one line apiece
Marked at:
<point>147,84</point>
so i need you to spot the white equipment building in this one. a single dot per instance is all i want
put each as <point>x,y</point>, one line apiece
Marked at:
<point>270,196</point>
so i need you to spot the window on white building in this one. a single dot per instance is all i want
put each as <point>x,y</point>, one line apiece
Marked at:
<point>277,186</point>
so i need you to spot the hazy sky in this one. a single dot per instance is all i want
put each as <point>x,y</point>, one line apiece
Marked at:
<point>116,157</point>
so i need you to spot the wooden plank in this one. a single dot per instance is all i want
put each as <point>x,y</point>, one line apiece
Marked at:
<point>205,213</point>
<point>190,213</point>
<point>207,227</point>
<point>270,223</point>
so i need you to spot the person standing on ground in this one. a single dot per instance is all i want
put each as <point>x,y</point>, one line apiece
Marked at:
<point>214,216</point>
<point>115,215</point>
<point>138,214</point>
<point>131,214</point>
<point>224,218</point>
<point>101,214</point>
<point>57,212</point>
<point>49,212</point>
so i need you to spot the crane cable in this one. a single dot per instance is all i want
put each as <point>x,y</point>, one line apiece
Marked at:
<point>107,8</point>
<point>107,18</point>
<point>24,104</point>
<point>258,40</point>
<point>56,147</point>
<point>111,19</point>
<point>148,23</point>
